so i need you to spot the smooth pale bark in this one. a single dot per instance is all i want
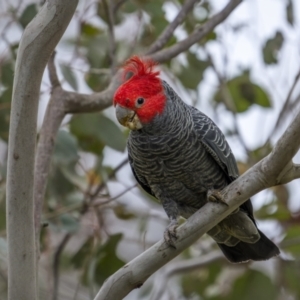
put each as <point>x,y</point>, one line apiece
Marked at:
<point>38,42</point>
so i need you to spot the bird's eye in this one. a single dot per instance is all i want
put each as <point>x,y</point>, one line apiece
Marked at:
<point>140,101</point>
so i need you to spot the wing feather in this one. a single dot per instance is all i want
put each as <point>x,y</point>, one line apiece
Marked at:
<point>215,143</point>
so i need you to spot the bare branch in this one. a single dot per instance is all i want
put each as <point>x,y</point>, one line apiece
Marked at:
<point>56,261</point>
<point>81,103</point>
<point>169,30</point>
<point>52,72</point>
<point>52,120</point>
<point>292,173</point>
<point>110,176</point>
<point>117,5</point>
<point>181,267</point>
<point>108,6</point>
<point>38,42</point>
<point>283,152</point>
<point>197,35</point>
<point>228,99</point>
<point>286,106</point>
<point>262,175</point>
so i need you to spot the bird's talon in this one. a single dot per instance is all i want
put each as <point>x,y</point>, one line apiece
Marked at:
<point>170,235</point>
<point>216,197</point>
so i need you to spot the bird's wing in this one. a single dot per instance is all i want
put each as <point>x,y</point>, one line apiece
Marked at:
<point>140,179</point>
<point>215,143</point>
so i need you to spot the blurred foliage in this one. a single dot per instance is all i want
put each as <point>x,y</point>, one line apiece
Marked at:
<point>272,48</point>
<point>78,178</point>
<point>241,93</point>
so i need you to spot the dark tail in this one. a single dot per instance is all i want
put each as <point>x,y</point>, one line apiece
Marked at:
<point>263,249</point>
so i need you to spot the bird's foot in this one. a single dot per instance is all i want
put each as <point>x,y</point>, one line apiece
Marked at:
<point>170,235</point>
<point>215,196</point>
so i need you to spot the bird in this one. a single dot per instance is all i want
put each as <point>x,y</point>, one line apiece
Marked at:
<point>179,155</point>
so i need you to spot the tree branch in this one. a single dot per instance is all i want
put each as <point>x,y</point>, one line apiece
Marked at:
<point>287,104</point>
<point>262,175</point>
<point>82,103</point>
<point>38,42</point>
<point>169,30</point>
<point>108,6</point>
<point>197,35</point>
<point>56,262</point>
<point>54,115</point>
<point>291,174</point>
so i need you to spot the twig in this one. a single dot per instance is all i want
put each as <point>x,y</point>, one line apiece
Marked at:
<point>98,203</point>
<point>56,262</point>
<point>169,30</point>
<point>286,105</point>
<point>117,6</point>
<point>110,176</point>
<point>108,6</point>
<point>198,34</point>
<point>54,115</point>
<point>229,101</point>
<point>38,42</point>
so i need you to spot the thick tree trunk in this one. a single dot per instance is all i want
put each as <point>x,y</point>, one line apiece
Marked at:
<point>38,42</point>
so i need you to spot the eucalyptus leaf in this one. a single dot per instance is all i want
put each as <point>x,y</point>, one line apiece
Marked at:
<point>272,47</point>
<point>243,93</point>
<point>107,260</point>
<point>28,14</point>
<point>69,76</point>
<point>94,131</point>
<point>69,223</point>
<point>66,148</point>
<point>290,12</point>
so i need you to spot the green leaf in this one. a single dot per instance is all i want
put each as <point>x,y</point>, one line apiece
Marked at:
<point>66,148</point>
<point>272,47</point>
<point>252,285</point>
<point>69,76</point>
<point>2,210</point>
<point>280,214</point>
<point>90,30</point>
<point>291,275</point>
<point>7,74</point>
<point>121,212</point>
<point>97,82</point>
<point>69,223</point>
<point>94,131</point>
<point>83,254</point>
<point>5,103</point>
<point>107,259</point>
<point>243,93</point>
<point>207,276</point>
<point>97,51</point>
<point>28,14</point>
<point>192,75</point>
<point>291,240</point>
<point>59,186</point>
<point>290,12</point>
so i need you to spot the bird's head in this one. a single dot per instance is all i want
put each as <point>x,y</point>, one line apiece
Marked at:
<point>139,99</point>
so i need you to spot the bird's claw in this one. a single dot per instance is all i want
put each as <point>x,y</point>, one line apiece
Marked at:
<point>170,235</point>
<point>215,196</point>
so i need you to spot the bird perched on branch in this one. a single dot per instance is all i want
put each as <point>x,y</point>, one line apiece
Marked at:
<point>180,156</point>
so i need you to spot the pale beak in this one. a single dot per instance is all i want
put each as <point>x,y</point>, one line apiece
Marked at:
<point>128,118</point>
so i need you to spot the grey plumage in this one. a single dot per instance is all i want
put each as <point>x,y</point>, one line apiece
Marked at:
<point>178,158</point>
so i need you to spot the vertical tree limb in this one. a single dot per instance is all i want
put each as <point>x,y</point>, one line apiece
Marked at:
<point>38,41</point>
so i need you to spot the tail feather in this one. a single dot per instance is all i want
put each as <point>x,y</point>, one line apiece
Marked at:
<point>263,249</point>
